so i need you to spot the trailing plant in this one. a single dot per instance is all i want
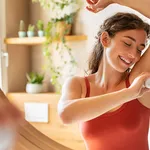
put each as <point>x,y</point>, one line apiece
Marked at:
<point>56,71</point>
<point>60,10</point>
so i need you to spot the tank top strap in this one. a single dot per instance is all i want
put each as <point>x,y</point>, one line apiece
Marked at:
<point>87,87</point>
<point>127,81</point>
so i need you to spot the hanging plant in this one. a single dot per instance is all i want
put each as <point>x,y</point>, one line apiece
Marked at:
<point>56,71</point>
<point>62,14</point>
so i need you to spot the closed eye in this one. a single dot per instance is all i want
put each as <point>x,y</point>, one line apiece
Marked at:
<point>140,51</point>
<point>127,44</point>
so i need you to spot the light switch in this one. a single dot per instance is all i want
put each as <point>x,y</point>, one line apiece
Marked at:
<point>36,112</point>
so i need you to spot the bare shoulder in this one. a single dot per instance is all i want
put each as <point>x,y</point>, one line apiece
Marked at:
<point>73,83</point>
<point>73,88</point>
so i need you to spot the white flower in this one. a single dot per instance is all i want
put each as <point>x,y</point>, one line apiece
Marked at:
<point>70,9</point>
<point>56,12</point>
<point>64,1</point>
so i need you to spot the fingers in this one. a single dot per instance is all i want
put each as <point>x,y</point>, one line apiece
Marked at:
<point>92,1</point>
<point>143,91</point>
<point>142,78</point>
<point>97,5</point>
<point>90,8</point>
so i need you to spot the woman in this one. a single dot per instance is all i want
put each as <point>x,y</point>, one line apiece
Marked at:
<point>104,103</point>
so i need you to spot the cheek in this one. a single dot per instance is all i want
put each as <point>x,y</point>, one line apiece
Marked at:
<point>137,59</point>
<point>113,52</point>
<point>111,55</point>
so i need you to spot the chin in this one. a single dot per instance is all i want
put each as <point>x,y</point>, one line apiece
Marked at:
<point>121,70</point>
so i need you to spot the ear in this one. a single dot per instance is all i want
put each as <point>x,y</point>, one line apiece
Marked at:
<point>105,39</point>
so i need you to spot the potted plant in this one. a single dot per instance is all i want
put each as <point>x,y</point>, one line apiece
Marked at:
<point>22,32</point>
<point>61,15</point>
<point>30,31</point>
<point>40,26</point>
<point>34,84</point>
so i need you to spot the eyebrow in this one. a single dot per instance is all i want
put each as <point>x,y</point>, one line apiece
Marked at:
<point>134,40</point>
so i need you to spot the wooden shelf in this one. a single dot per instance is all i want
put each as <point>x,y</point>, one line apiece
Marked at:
<point>20,97</point>
<point>40,40</point>
<point>32,95</point>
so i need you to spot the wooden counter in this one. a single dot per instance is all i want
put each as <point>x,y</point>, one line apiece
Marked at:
<point>67,135</point>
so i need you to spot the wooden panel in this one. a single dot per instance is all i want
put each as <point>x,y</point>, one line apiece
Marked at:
<point>40,40</point>
<point>67,135</point>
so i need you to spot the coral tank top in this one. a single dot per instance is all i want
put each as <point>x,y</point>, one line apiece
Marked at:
<point>123,129</point>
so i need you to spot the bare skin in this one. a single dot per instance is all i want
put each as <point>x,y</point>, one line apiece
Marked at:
<point>140,5</point>
<point>108,90</point>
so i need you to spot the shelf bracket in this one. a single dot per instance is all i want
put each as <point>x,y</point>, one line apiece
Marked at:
<point>5,55</point>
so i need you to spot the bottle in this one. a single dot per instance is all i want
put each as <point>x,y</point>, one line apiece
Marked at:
<point>147,83</point>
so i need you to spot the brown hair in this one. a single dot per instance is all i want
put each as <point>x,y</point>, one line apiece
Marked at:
<point>118,22</point>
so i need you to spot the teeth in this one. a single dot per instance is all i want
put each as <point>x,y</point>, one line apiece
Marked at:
<point>125,60</point>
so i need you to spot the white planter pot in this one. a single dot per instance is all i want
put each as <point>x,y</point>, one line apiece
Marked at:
<point>40,33</point>
<point>30,33</point>
<point>22,34</point>
<point>34,88</point>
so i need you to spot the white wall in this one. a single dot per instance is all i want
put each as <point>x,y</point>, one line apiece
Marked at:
<point>86,23</point>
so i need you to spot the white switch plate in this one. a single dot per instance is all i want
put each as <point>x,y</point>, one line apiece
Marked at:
<point>36,112</point>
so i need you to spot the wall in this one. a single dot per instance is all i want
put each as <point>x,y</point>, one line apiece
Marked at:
<point>19,56</point>
<point>86,23</point>
<point>2,46</point>
<point>79,48</point>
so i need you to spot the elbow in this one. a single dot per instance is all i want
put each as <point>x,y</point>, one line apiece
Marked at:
<point>65,118</point>
<point>64,115</point>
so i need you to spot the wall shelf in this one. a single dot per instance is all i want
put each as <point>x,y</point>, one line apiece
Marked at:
<point>39,40</point>
<point>38,97</point>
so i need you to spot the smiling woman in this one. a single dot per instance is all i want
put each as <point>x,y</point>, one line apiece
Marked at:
<point>129,45</point>
<point>104,103</point>
<point>121,29</point>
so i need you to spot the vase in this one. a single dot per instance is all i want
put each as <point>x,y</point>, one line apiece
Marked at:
<point>22,34</point>
<point>40,33</point>
<point>34,88</point>
<point>62,28</point>
<point>30,33</point>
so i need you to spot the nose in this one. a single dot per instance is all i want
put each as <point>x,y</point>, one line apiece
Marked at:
<point>131,55</point>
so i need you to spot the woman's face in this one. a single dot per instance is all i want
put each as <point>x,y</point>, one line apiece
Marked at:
<point>125,49</point>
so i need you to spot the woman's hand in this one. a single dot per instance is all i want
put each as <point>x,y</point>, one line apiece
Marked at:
<point>137,87</point>
<point>98,5</point>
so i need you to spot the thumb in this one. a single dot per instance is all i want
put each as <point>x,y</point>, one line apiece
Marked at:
<point>145,90</point>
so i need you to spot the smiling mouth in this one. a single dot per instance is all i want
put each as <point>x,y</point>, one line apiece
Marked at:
<point>125,61</point>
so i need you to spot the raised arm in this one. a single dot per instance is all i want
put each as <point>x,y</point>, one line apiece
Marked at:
<point>141,6</point>
<point>72,108</point>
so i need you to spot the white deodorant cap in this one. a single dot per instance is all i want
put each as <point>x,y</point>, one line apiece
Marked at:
<point>147,83</point>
